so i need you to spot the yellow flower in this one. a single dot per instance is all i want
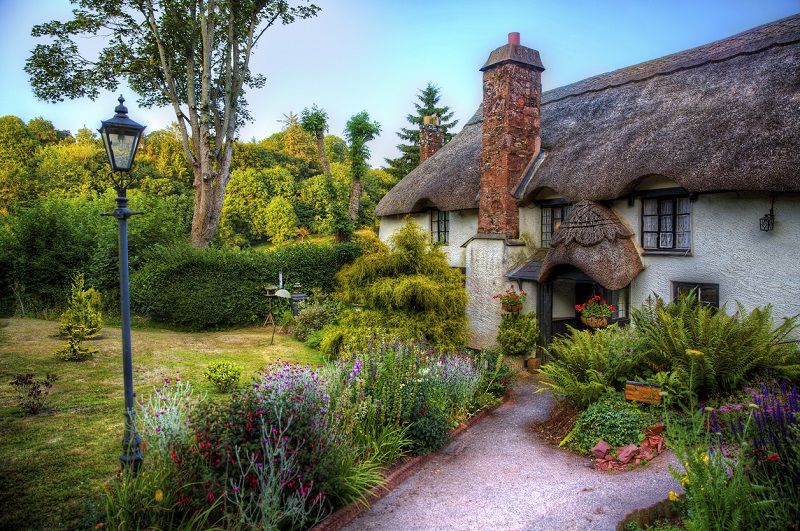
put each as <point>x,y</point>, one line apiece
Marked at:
<point>674,497</point>
<point>685,481</point>
<point>693,352</point>
<point>159,495</point>
<point>705,458</point>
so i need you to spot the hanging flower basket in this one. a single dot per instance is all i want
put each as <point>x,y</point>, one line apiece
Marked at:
<point>512,308</point>
<point>595,322</point>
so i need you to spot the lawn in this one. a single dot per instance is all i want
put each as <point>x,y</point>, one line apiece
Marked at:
<point>54,466</point>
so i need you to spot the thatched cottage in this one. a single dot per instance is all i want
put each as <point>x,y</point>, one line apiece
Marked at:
<point>678,173</point>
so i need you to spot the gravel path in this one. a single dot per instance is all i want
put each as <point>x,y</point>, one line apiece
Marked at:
<point>500,476</point>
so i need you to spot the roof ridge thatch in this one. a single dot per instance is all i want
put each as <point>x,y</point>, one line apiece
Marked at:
<point>778,33</point>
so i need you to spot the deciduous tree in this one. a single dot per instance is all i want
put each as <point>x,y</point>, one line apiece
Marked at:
<point>192,55</point>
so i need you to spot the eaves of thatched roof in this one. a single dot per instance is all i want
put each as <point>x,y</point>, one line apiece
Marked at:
<point>594,240</point>
<point>449,180</point>
<point>723,116</point>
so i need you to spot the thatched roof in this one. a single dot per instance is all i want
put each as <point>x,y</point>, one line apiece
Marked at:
<point>449,180</point>
<point>594,240</point>
<point>724,116</point>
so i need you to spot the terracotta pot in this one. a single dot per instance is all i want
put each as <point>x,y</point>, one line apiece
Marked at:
<point>595,322</point>
<point>512,308</point>
<point>534,364</point>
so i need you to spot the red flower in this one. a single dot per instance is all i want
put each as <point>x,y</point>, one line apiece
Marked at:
<point>597,298</point>
<point>612,307</point>
<point>603,301</point>
<point>774,457</point>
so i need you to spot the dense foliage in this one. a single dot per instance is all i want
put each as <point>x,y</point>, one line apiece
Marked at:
<point>210,288</point>
<point>407,292</point>
<point>518,334</point>
<point>296,443</point>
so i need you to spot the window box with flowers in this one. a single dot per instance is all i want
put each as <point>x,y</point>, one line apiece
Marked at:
<point>511,299</point>
<point>595,312</point>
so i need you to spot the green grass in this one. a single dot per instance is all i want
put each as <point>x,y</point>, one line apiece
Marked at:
<point>54,466</point>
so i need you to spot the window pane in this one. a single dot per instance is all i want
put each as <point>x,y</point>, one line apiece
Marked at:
<point>666,224</point>
<point>666,206</point>
<point>650,207</point>
<point>710,296</point>
<point>651,240</point>
<point>683,205</point>
<point>651,223</point>
<point>665,240</point>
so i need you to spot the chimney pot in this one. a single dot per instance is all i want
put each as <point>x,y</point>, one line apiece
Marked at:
<point>513,37</point>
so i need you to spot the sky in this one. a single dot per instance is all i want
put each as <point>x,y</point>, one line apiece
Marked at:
<point>376,55</point>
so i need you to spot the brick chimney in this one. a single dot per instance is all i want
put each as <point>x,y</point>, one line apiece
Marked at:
<point>431,137</point>
<point>512,92</point>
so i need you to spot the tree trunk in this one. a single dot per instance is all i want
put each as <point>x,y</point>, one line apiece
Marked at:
<point>356,188</point>
<point>326,168</point>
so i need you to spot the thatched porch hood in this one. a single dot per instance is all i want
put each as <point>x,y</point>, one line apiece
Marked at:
<point>723,116</point>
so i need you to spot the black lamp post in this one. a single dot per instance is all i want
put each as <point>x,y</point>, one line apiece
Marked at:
<point>121,138</point>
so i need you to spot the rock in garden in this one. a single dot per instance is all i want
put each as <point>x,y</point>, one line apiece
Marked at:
<point>600,449</point>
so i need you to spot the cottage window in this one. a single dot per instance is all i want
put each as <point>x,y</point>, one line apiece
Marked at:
<point>440,227</point>
<point>552,217</point>
<point>666,224</point>
<point>619,299</point>
<point>708,294</point>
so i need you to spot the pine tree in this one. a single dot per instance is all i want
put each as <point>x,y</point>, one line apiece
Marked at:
<point>409,152</point>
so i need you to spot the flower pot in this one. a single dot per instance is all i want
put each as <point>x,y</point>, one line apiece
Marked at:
<point>595,322</point>
<point>534,364</point>
<point>512,308</point>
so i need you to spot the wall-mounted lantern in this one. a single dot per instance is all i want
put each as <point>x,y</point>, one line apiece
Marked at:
<point>768,221</point>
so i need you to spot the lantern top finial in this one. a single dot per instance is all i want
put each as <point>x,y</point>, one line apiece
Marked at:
<point>121,110</point>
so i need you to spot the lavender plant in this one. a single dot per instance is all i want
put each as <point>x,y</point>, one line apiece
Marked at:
<point>165,414</point>
<point>454,379</point>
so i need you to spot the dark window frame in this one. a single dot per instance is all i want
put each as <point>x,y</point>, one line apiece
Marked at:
<point>440,226</point>
<point>553,213</point>
<point>667,213</point>
<point>700,288</point>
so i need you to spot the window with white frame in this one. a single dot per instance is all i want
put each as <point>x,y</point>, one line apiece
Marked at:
<point>667,224</point>
<point>440,227</point>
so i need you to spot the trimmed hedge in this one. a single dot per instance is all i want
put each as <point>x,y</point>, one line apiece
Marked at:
<point>201,289</point>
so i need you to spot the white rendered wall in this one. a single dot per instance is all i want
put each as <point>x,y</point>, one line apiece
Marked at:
<point>753,267</point>
<point>463,226</point>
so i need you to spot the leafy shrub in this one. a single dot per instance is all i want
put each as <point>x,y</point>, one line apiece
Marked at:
<point>33,393</point>
<point>518,334</point>
<point>312,318</point>
<point>735,348</point>
<point>290,400</point>
<point>428,425</point>
<point>83,311</point>
<point>497,376</point>
<point>585,365</point>
<point>613,419</point>
<point>409,292</point>
<point>201,289</point>
<point>224,375</point>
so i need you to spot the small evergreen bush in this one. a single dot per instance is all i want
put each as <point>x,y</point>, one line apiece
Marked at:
<point>224,375</point>
<point>518,334</point>
<point>83,311</point>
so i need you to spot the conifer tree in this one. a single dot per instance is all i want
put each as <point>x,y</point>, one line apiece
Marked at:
<point>409,152</point>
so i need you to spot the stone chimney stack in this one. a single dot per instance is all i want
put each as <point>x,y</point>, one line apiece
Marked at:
<point>431,137</point>
<point>512,92</point>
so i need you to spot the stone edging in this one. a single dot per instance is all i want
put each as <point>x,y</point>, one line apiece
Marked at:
<point>343,516</point>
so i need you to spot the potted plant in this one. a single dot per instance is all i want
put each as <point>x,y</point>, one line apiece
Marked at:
<point>511,299</point>
<point>517,334</point>
<point>595,312</point>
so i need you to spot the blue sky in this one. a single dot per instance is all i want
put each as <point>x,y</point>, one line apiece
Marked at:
<point>375,55</point>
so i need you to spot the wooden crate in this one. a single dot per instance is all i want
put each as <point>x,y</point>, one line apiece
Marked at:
<point>643,392</point>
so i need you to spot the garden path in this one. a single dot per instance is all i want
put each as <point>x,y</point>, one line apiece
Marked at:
<point>499,475</point>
